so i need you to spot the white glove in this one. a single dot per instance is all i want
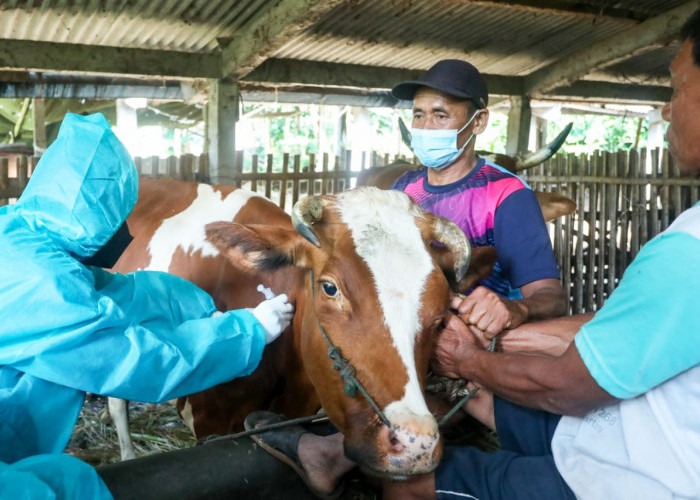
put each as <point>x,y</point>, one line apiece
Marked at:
<point>274,315</point>
<point>268,293</point>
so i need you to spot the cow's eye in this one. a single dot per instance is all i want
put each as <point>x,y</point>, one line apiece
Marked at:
<point>329,289</point>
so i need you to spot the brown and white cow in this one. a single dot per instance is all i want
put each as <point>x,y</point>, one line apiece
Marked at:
<point>363,264</point>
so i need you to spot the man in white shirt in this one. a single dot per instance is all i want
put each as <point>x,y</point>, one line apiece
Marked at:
<point>628,386</point>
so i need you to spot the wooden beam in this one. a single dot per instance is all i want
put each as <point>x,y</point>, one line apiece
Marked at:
<point>289,71</point>
<point>258,39</point>
<point>618,92</point>
<point>89,90</point>
<point>49,56</point>
<point>40,143</point>
<point>306,94</point>
<point>578,9</point>
<point>627,43</point>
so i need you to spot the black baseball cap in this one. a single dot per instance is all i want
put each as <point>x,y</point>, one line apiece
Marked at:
<point>452,76</point>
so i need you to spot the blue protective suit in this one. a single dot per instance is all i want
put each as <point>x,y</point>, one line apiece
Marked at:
<point>67,329</point>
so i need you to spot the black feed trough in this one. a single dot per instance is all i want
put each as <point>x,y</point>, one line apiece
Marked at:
<point>227,469</point>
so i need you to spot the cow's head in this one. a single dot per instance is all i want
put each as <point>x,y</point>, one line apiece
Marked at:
<point>378,284</point>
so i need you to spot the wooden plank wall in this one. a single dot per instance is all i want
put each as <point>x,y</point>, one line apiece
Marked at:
<point>622,202</point>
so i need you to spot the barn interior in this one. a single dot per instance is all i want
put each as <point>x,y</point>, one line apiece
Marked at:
<point>201,59</point>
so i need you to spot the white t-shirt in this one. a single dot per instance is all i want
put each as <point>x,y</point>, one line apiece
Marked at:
<point>643,347</point>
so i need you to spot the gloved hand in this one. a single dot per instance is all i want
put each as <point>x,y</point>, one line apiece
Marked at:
<point>274,315</point>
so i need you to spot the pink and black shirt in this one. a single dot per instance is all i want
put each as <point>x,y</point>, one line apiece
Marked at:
<point>497,208</point>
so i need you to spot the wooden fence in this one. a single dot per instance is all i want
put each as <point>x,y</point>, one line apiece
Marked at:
<point>14,174</point>
<point>623,198</point>
<point>287,178</point>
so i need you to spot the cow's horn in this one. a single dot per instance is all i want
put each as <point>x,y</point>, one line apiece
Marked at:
<point>304,213</point>
<point>449,234</point>
<point>531,159</point>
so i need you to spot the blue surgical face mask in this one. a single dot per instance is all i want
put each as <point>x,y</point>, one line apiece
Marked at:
<point>437,148</point>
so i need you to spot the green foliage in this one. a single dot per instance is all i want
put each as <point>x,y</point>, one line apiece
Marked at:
<point>494,137</point>
<point>600,132</point>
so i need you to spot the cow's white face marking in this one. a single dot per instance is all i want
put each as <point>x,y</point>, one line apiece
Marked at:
<point>383,227</point>
<point>186,229</point>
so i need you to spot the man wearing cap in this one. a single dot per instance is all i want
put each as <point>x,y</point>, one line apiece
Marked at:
<point>491,205</point>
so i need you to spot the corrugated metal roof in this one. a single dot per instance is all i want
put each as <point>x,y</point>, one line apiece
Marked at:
<point>650,66</point>
<point>500,37</point>
<point>182,25</point>
<point>496,39</point>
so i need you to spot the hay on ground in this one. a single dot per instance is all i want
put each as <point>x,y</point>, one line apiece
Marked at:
<point>154,429</point>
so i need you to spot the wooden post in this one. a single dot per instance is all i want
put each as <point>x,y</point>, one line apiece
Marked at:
<point>268,181</point>
<point>127,126</point>
<point>39,126</point>
<point>254,171</point>
<point>341,133</point>
<point>326,180</point>
<point>612,233</point>
<point>519,118</point>
<point>296,164</point>
<point>4,181</point>
<point>222,115</point>
<point>312,174</point>
<point>283,186</point>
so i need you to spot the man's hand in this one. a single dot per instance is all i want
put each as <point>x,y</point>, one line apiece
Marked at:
<point>488,312</point>
<point>453,347</point>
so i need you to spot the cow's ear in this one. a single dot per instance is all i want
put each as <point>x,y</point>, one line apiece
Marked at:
<point>258,247</point>
<point>555,205</point>
<point>480,266</point>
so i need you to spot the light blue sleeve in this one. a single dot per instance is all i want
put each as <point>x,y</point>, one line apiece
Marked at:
<point>144,336</point>
<point>648,331</point>
<point>51,476</point>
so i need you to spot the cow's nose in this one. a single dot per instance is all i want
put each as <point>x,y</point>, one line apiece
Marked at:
<point>411,446</point>
<point>394,444</point>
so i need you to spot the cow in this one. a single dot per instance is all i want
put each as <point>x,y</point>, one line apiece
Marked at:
<point>343,260</point>
<point>553,205</point>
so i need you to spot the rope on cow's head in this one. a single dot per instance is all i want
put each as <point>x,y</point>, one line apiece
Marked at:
<point>343,366</point>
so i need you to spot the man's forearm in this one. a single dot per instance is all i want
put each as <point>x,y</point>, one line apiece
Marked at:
<point>543,302</point>
<point>560,384</point>
<point>551,337</point>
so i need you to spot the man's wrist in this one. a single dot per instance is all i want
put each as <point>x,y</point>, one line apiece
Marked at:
<point>523,310</point>
<point>470,365</point>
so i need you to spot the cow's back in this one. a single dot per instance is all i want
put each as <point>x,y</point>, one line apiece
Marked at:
<point>168,228</point>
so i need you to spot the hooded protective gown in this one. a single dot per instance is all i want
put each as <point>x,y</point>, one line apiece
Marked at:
<point>67,329</point>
